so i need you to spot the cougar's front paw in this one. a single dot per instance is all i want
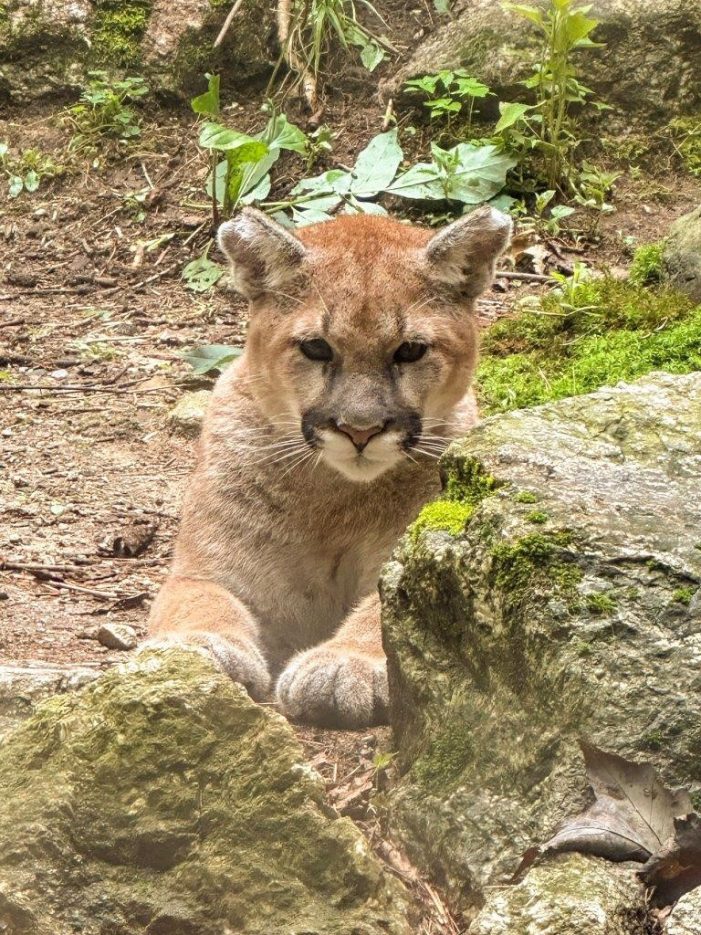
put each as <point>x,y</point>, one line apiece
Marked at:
<point>239,657</point>
<point>335,687</point>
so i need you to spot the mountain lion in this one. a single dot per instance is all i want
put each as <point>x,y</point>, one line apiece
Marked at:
<point>320,446</point>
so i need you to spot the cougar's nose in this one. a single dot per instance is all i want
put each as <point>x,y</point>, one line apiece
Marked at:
<point>359,437</point>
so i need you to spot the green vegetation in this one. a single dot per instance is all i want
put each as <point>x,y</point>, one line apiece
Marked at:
<point>441,516</point>
<point>564,29</point>
<point>686,132</point>
<point>118,30</point>
<point>26,171</point>
<point>535,565</point>
<point>587,334</point>
<point>683,595</point>
<point>600,604</point>
<point>525,496</point>
<point>307,31</point>
<point>104,113</point>
<point>447,93</point>
<point>538,517</point>
<point>647,267</point>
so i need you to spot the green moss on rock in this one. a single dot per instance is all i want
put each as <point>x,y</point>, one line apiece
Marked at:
<point>441,516</point>
<point>118,29</point>
<point>162,799</point>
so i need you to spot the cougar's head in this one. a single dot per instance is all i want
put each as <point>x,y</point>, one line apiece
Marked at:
<point>362,333</point>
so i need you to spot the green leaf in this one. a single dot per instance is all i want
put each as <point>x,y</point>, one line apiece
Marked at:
<point>509,115</point>
<point>215,136</point>
<point>4,149</point>
<point>281,134</point>
<point>211,357</point>
<point>527,12</point>
<point>208,103</point>
<point>471,87</point>
<point>15,186</point>
<point>335,180</point>
<point>578,27</point>
<point>201,274</point>
<point>442,6</point>
<point>377,165</point>
<point>31,181</point>
<point>371,55</point>
<point>421,181</point>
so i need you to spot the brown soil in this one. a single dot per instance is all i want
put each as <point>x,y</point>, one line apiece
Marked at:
<point>93,317</point>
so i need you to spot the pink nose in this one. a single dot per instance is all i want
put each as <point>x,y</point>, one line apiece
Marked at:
<point>359,437</point>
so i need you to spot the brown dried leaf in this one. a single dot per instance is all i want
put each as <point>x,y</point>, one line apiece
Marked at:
<point>632,815</point>
<point>676,868</point>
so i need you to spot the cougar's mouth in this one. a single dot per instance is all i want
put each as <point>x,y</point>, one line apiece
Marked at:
<point>361,454</point>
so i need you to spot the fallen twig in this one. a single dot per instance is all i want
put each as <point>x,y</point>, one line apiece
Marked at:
<point>227,22</point>
<point>526,277</point>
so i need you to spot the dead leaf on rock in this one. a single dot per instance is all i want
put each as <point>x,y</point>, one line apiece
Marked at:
<point>631,817</point>
<point>676,868</point>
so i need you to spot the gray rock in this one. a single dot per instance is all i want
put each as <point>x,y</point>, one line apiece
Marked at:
<point>117,636</point>
<point>187,414</point>
<point>569,895</point>
<point>686,915</point>
<point>23,687</point>
<point>631,72</point>
<point>682,254</point>
<point>161,799</point>
<point>47,47</point>
<point>547,601</point>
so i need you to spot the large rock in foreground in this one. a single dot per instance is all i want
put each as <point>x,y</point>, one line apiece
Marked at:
<point>631,72</point>
<point>161,800</point>
<point>552,596</point>
<point>47,47</point>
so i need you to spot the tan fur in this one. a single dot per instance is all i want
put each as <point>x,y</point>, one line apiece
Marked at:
<point>276,564</point>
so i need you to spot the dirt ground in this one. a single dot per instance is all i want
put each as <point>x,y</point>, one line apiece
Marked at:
<point>94,316</point>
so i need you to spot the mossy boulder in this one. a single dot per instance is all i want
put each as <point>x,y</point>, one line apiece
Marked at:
<point>569,895</point>
<point>631,72</point>
<point>563,606</point>
<point>682,254</point>
<point>48,47</point>
<point>160,799</point>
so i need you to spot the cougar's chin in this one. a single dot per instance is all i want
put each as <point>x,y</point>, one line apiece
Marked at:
<point>380,455</point>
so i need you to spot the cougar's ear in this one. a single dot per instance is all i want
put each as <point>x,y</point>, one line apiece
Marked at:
<point>462,255</point>
<point>263,255</point>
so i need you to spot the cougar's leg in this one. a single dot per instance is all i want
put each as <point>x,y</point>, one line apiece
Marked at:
<point>204,614</point>
<point>342,682</point>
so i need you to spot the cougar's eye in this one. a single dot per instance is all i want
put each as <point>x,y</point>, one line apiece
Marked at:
<point>410,352</point>
<point>317,349</point>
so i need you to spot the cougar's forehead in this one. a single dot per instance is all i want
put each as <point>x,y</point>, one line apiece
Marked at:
<point>365,276</point>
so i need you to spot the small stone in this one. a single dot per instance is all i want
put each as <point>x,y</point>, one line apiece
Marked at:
<point>187,415</point>
<point>58,374</point>
<point>117,636</point>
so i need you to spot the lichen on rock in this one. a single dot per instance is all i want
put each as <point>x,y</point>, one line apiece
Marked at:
<point>569,895</point>
<point>510,641</point>
<point>161,799</point>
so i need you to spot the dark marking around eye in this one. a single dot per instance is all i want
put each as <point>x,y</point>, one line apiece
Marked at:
<point>409,352</point>
<point>317,349</point>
